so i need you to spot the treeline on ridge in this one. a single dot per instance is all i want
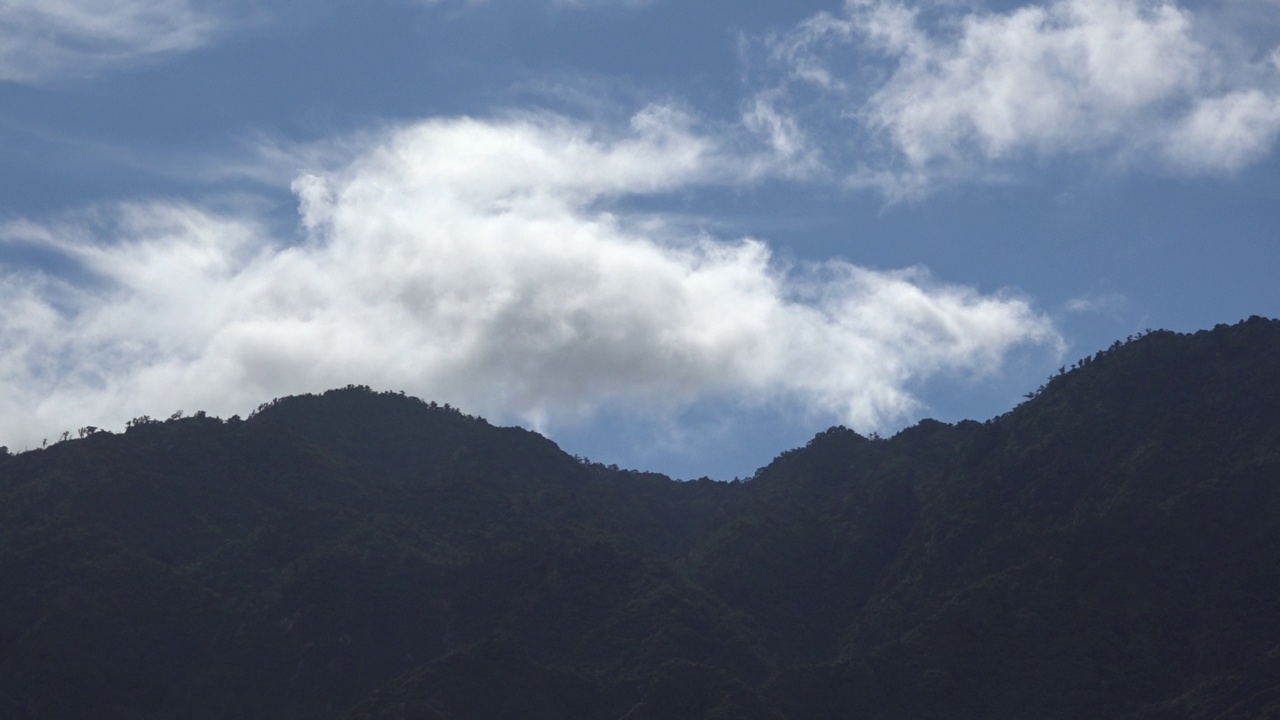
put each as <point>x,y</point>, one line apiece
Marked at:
<point>1106,549</point>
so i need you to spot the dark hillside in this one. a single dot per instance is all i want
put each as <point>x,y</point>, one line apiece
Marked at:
<point>1110,548</point>
<point>1096,552</point>
<point>291,562</point>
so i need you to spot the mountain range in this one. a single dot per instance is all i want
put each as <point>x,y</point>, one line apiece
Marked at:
<point>1110,548</point>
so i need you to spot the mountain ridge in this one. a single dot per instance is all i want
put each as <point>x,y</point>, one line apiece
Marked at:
<point>1104,549</point>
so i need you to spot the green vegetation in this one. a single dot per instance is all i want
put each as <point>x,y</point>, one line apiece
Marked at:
<point>1107,549</point>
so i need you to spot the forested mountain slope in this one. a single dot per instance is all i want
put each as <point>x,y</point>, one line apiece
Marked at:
<point>1110,548</point>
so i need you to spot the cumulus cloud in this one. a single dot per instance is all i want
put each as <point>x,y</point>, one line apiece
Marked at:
<point>1226,133</point>
<point>487,263</point>
<point>965,93</point>
<point>46,39</point>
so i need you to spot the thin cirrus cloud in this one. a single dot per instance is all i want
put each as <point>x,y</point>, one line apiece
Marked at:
<point>44,40</point>
<point>965,94</point>
<point>488,263</point>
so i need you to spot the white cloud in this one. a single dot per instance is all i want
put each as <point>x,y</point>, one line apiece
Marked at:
<point>969,93</point>
<point>792,153</point>
<point>1226,133</point>
<point>484,263</point>
<point>46,39</point>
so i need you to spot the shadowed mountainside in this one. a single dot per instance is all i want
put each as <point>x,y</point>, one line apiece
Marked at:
<point>1107,549</point>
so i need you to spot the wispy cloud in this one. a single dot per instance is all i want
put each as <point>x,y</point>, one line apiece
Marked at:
<point>50,39</point>
<point>1110,303</point>
<point>934,93</point>
<point>482,262</point>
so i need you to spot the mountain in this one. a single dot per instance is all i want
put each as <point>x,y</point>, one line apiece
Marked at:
<point>1109,548</point>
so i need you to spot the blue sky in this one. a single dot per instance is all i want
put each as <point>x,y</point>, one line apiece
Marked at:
<point>680,236</point>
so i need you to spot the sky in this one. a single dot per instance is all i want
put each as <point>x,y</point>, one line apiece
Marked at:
<point>670,235</point>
